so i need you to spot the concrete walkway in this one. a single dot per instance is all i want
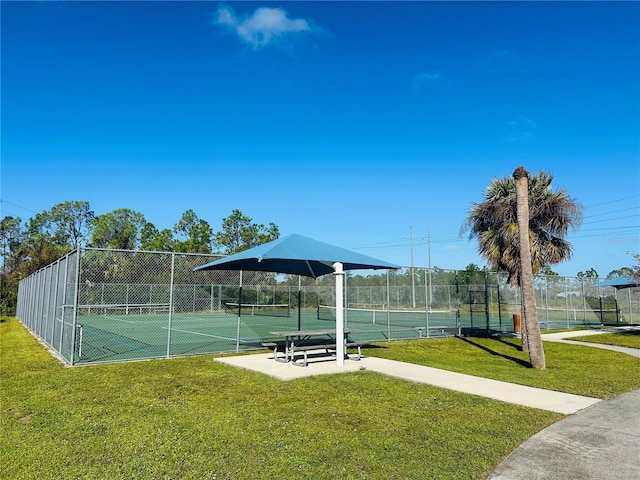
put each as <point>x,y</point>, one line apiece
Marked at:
<point>507,392</point>
<point>599,442</point>
<point>565,337</point>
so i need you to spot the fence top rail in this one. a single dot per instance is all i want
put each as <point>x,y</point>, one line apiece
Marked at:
<point>123,305</point>
<point>178,254</point>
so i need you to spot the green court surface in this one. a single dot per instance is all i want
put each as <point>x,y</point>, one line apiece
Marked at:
<point>138,333</point>
<point>125,336</point>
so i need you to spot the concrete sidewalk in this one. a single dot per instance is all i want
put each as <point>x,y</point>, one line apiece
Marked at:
<point>565,337</point>
<point>507,392</point>
<point>597,440</point>
<point>597,443</point>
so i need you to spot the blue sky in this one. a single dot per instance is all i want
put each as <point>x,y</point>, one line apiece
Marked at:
<point>356,123</point>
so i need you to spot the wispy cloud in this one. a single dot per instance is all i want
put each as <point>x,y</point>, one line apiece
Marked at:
<point>520,128</point>
<point>425,79</point>
<point>264,27</point>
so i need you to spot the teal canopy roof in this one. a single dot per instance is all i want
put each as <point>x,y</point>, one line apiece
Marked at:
<point>298,255</point>
<point>619,282</point>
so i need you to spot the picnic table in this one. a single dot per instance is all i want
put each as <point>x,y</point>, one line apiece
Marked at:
<point>303,341</point>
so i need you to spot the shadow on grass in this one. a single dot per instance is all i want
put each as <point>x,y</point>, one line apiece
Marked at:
<point>518,361</point>
<point>512,345</point>
<point>631,333</point>
<point>373,347</point>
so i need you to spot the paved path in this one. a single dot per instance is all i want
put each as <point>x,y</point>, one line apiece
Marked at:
<point>597,443</point>
<point>507,392</point>
<point>565,337</point>
<point>598,440</point>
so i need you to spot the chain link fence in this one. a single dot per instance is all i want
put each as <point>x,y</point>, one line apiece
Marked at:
<point>95,305</point>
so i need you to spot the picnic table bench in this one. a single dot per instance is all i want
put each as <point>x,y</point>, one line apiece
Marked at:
<point>444,330</point>
<point>301,342</point>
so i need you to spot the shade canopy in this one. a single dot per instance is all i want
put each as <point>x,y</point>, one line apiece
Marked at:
<point>298,255</point>
<point>619,283</point>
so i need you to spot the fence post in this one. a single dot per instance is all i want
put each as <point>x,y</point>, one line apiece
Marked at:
<point>546,300</point>
<point>486,302</point>
<point>171,278</point>
<point>64,299</point>
<point>74,319</point>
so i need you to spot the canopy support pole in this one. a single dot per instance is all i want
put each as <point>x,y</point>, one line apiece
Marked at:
<point>239,314</point>
<point>340,350</point>
<point>299,299</point>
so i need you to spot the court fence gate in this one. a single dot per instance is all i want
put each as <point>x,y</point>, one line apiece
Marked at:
<point>99,305</point>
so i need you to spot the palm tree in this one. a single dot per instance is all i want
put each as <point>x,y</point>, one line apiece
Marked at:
<point>494,222</point>
<point>532,328</point>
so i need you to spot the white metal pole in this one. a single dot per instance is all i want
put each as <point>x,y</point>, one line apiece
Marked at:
<point>339,273</point>
<point>239,314</point>
<point>429,261</point>
<point>413,274</point>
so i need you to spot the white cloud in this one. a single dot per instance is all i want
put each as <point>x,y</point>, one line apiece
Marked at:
<point>264,27</point>
<point>521,128</point>
<point>424,78</point>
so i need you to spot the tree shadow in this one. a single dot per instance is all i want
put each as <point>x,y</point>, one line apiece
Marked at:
<point>516,360</point>
<point>501,340</point>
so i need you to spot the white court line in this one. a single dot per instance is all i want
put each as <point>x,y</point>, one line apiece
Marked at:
<point>199,333</point>
<point>135,322</point>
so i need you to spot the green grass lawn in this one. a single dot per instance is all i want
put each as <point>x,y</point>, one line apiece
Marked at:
<point>623,339</point>
<point>192,418</point>
<point>581,370</point>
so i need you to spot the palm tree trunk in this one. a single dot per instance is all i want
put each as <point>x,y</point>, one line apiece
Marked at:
<point>530,317</point>
<point>523,325</point>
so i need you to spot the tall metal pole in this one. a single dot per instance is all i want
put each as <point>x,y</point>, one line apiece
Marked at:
<point>239,313</point>
<point>413,275</point>
<point>340,350</point>
<point>299,300</point>
<point>429,261</point>
<point>427,284</point>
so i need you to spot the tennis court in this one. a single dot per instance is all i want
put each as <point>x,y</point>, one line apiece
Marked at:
<point>123,332</point>
<point>96,305</point>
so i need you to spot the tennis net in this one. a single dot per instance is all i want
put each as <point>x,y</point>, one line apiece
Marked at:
<point>400,318</point>
<point>267,310</point>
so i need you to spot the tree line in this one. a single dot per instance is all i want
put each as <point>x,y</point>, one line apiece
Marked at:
<point>30,245</point>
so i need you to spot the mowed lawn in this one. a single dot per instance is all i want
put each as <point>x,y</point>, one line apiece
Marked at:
<point>193,418</point>
<point>629,339</point>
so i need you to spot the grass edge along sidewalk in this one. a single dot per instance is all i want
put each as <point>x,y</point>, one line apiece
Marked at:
<point>193,418</point>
